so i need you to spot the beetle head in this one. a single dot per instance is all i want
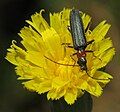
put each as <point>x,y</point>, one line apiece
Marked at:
<point>82,63</point>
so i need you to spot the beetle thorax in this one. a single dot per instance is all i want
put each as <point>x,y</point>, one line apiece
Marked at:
<point>81,54</point>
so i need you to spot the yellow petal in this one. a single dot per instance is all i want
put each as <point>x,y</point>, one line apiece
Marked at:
<point>56,94</point>
<point>94,88</point>
<point>30,71</point>
<point>102,46</point>
<point>49,37</point>
<point>30,85</point>
<point>52,94</point>
<point>43,87</point>
<point>38,59</point>
<point>103,75</point>
<point>60,23</point>
<point>15,54</point>
<point>86,20</point>
<point>71,96</point>
<point>58,83</point>
<point>31,39</point>
<point>100,31</point>
<point>105,58</point>
<point>38,22</point>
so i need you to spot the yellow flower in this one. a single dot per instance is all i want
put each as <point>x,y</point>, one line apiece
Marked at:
<point>45,64</point>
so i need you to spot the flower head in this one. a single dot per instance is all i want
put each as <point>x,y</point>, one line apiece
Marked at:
<point>46,62</point>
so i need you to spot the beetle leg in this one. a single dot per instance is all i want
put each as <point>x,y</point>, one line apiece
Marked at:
<point>67,44</point>
<point>89,51</point>
<point>73,58</point>
<point>70,46</point>
<point>90,42</point>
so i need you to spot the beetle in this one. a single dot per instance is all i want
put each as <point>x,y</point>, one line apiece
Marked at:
<point>79,42</point>
<point>78,38</point>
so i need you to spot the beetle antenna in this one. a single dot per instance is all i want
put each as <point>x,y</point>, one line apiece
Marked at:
<point>59,63</point>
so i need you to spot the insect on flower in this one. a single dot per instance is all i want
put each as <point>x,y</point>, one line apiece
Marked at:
<point>79,42</point>
<point>62,62</point>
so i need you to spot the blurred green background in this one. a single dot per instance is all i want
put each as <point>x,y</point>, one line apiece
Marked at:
<point>13,13</point>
